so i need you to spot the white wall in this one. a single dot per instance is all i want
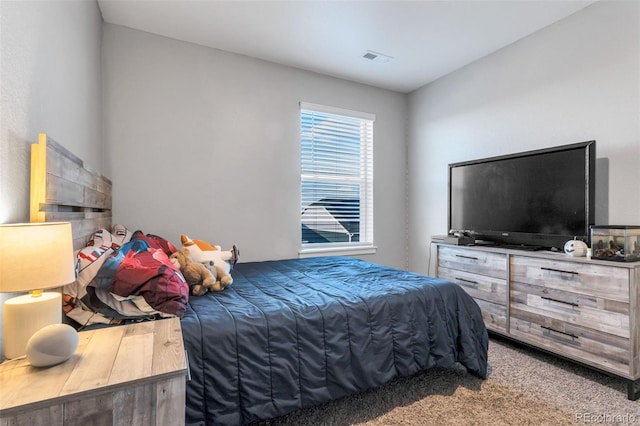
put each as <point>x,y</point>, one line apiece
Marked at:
<point>576,80</point>
<point>206,143</point>
<point>49,82</point>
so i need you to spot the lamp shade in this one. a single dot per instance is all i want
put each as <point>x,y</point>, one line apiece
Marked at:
<point>35,256</point>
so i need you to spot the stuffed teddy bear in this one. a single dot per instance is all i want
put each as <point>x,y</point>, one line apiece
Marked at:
<point>198,276</point>
<point>203,252</point>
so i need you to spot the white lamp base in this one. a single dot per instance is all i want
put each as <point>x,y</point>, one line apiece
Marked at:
<point>24,315</point>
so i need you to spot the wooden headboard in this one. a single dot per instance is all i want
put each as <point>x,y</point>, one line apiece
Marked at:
<point>65,189</point>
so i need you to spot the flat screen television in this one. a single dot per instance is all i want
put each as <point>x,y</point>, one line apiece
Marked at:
<point>537,199</point>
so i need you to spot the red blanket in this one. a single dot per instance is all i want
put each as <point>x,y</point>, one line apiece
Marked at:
<point>123,276</point>
<point>146,271</point>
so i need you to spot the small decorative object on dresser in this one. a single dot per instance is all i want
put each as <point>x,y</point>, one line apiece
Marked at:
<point>575,248</point>
<point>616,242</point>
<point>52,345</point>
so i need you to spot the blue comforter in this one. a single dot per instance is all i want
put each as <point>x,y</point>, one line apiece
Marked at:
<point>294,333</point>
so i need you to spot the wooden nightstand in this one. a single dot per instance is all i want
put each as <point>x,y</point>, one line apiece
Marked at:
<point>128,375</point>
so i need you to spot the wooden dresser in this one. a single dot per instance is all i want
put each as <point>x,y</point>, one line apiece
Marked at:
<point>582,309</point>
<point>133,374</point>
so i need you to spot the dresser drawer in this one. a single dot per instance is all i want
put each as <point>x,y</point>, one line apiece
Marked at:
<point>478,286</point>
<point>611,353</point>
<point>591,312</point>
<point>473,261</point>
<point>494,315</point>
<point>607,283</point>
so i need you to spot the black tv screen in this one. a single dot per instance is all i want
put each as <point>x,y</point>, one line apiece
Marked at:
<point>537,198</point>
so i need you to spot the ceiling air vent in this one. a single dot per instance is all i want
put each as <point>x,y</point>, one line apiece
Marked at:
<point>376,57</point>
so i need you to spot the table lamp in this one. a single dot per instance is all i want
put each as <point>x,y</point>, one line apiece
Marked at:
<point>33,257</point>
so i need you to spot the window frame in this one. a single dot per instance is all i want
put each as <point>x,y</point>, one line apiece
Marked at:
<point>366,185</point>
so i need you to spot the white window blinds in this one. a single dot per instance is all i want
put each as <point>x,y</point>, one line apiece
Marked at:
<point>336,163</point>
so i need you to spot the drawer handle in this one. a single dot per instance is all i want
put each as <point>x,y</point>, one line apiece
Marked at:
<point>573,336</point>
<point>559,301</point>
<point>467,257</point>
<point>560,270</point>
<point>467,283</point>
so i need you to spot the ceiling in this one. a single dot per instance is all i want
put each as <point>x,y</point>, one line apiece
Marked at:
<point>425,39</point>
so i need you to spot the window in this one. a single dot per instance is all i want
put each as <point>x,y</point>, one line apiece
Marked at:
<point>336,171</point>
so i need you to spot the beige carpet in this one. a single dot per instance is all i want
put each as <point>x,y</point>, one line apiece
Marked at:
<point>525,387</point>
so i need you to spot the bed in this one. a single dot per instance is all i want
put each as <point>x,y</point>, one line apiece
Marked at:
<point>294,333</point>
<point>287,334</point>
